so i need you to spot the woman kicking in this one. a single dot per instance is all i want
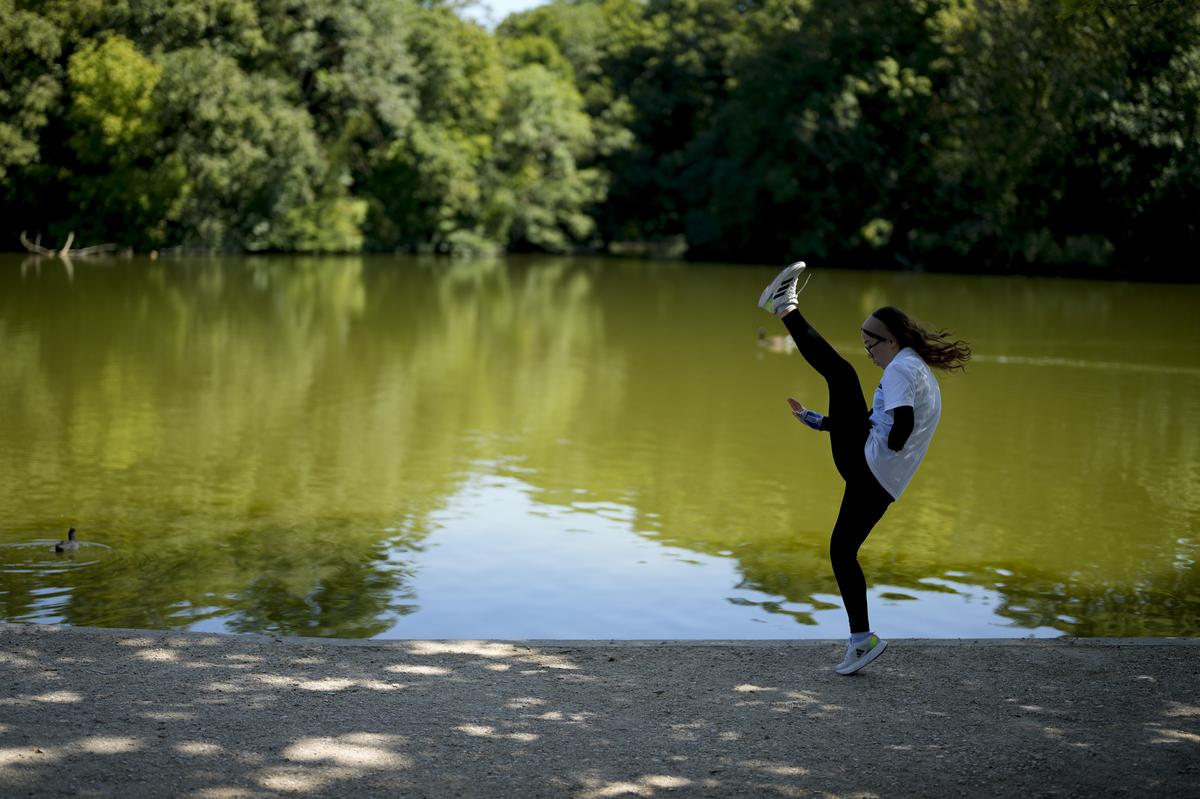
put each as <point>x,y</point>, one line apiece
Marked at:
<point>876,451</point>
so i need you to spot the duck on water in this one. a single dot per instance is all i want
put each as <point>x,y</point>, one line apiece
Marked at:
<point>70,545</point>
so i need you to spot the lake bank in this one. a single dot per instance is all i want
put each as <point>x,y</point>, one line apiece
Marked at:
<point>136,713</point>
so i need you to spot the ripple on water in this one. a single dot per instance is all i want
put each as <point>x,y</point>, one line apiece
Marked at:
<point>39,557</point>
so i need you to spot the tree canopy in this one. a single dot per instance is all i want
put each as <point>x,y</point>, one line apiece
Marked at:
<point>990,135</point>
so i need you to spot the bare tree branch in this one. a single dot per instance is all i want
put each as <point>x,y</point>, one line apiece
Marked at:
<point>35,246</point>
<point>66,252</point>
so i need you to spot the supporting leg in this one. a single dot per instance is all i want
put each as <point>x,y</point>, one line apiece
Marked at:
<point>863,505</point>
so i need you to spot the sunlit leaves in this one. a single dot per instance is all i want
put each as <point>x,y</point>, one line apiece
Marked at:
<point>249,155</point>
<point>344,59</point>
<point>111,84</point>
<point>461,74</point>
<point>428,195</point>
<point>232,27</point>
<point>544,136</point>
<point>994,135</point>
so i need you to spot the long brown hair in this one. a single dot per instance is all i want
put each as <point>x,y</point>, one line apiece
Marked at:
<point>934,347</point>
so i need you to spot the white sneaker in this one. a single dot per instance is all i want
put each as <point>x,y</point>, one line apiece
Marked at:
<point>779,297</point>
<point>860,655</point>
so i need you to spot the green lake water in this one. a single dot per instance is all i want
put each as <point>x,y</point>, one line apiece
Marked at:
<point>575,448</point>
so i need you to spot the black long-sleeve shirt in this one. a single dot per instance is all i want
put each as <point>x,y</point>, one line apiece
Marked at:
<point>902,426</point>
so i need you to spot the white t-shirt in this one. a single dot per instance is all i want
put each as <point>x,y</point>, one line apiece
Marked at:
<point>907,380</point>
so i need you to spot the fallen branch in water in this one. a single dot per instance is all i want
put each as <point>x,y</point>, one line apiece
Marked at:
<point>36,247</point>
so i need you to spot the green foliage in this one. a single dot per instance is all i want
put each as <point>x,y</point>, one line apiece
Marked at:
<point>496,157</point>
<point>525,50</point>
<point>1081,141</point>
<point>423,185</point>
<point>30,84</point>
<point>330,224</point>
<point>113,180</point>
<point>588,45</point>
<point>428,197</point>
<point>352,68</point>
<point>925,134</point>
<point>111,86</point>
<point>426,187</point>
<point>687,53</point>
<point>232,27</point>
<point>348,62</point>
<point>544,135</point>
<point>819,149</point>
<point>461,74</point>
<point>248,156</point>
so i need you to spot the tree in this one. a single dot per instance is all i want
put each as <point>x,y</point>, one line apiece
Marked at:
<point>682,72</point>
<point>355,73</point>
<point>427,186</point>
<point>30,94</point>
<point>30,83</point>
<point>544,135</point>
<point>115,183</point>
<point>246,161</point>
<point>1075,138</point>
<point>589,45</point>
<point>997,135</point>
<point>823,147</point>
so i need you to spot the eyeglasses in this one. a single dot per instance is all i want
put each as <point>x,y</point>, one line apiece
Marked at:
<point>873,345</point>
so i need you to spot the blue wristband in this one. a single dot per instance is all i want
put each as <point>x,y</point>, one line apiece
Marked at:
<point>811,418</point>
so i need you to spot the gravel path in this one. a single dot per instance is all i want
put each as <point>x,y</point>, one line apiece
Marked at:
<point>86,712</point>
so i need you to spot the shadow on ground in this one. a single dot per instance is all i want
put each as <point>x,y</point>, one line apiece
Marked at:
<point>104,713</point>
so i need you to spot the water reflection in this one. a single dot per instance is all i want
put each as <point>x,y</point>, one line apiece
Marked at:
<point>570,448</point>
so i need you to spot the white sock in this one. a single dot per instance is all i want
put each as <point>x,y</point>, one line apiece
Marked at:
<point>858,638</point>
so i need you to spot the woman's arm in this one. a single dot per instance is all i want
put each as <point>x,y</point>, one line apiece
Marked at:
<point>810,417</point>
<point>902,427</point>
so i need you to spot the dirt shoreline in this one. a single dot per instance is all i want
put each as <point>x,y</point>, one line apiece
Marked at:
<point>133,713</point>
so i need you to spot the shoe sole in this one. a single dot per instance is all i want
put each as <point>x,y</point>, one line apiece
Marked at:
<point>865,660</point>
<point>789,273</point>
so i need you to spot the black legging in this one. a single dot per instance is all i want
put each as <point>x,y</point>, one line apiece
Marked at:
<point>864,500</point>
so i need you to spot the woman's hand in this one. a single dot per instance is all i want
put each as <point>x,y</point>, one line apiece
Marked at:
<point>806,415</point>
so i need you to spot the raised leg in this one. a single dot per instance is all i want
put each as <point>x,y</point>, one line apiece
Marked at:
<point>849,419</point>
